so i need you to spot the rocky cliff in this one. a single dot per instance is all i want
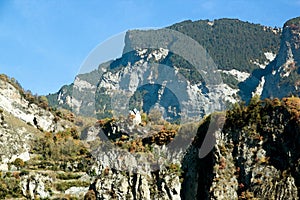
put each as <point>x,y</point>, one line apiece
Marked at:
<point>221,40</point>
<point>246,152</point>
<point>285,77</point>
<point>13,100</point>
<point>281,77</point>
<point>256,154</point>
<point>32,165</point>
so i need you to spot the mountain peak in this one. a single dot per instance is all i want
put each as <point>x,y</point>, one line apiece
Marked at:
<point>292,22</point>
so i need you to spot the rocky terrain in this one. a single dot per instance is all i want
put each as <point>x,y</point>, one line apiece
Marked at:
<point>281,77</point>
<point>256,155</point>
<point>284,78</point>
<point>134,73</point>
<point>244,152</point>
<point>32,164</point>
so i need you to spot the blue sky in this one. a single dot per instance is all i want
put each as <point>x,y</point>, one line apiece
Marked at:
<point>44,43</point>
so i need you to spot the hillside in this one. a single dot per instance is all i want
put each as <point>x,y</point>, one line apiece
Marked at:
<point>254,154</point>
<point>217,120</point>
<point>281,77</point>
<point>233,44</point>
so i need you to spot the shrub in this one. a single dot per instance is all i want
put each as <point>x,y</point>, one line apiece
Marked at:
<point>63,186</point>
<point>60,146</point>
<point>175,168</point>
<point>90,195</point>
<point>24,172</point>
<point>68,176</point>
<point>10,188</point>
<point>19,163</point>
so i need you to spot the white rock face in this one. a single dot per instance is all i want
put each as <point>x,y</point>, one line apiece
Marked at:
<point>125,175</point>
<point>12,102</point>
<point>3,167</point>
<point>122,82</point>
<point>33,185</point>
<point>270,56</point>
<point>285,69</point>
<point>82,85</point>
<point>284,79</point>
<point>91,133</point>
<point>194,102</point>
<point>79,97</point>
<point>226,92</point>
<point>260,87</point>
<point>18,119</point>
<point>157,54</point>
<point>137,186</point>
<point>240,76</point>
<point>77,191</point>
<point>14,143</point>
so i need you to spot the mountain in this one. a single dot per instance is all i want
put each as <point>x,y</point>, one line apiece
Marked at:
<point>281,77</point>
<point>255,154</point>
<point>233,44</point>
<point>234,49</point>
<point>39,145</point>
<point>285,77</point>
<point>249,151</point>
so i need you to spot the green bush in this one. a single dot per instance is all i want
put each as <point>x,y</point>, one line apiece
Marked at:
<point>61,146</point>
<point>68,176</point>
<point>19,163</point>
<point>10,188</point>
<point>63,186</point>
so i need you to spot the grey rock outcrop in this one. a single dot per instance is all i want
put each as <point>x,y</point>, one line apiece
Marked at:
<point>14,103</point>
<point>34,185</point>
<point>284,79</point>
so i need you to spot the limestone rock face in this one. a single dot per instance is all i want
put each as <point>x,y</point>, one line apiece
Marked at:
<point>281,77</point>
<point>284,78</point>
<point>141,74</point>
<point>251,158</point>
<point>33,186</point>
<point>122,185</point>
<point>14,103</point>
<point>254,156</point>
<point>14,141</point>
<point>255,151</point>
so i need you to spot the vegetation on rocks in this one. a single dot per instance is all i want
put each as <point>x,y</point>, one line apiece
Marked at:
<point>256,152</point>
<point>232,43</point>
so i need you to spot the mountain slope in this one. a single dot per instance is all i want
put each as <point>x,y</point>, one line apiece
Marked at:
<point>52,153</point>
<point>235,47</point>
<point>256,155</point>
<point>282,76</point>
<point>285,77</point>
<point>233,44</point>
<point>41,155</point>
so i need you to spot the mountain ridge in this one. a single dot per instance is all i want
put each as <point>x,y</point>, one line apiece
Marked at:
<point>49,152</point>
<point>214,37</point>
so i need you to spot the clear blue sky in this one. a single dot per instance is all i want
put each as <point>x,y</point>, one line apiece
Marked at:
<point>43,43</point>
